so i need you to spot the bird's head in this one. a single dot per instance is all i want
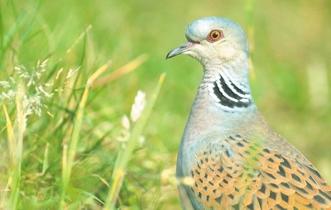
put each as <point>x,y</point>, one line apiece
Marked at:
<point>213,40</point>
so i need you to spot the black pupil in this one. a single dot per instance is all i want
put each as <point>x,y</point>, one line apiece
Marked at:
<point>215,35</point>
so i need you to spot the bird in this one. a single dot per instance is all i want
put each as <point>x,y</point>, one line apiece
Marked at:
<point>229,157</point>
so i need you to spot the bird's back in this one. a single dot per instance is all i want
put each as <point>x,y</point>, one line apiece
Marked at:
<point>252,168</point>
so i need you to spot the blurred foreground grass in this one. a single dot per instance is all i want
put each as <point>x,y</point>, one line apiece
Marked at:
<point>59,143</point>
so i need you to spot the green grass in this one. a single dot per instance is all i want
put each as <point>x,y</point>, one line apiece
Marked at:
<point>65,141</point>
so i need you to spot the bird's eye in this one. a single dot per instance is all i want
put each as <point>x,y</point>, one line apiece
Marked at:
<point>214,36</point>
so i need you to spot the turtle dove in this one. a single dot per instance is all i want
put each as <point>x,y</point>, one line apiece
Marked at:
<point>234,159</point>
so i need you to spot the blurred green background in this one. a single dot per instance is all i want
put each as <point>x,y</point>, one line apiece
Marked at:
<point>291,56</point>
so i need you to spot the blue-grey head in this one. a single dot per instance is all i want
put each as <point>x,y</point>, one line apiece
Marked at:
<point>213,39</point>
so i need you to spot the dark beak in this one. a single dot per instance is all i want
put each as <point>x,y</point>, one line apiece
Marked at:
<point>179,50</point>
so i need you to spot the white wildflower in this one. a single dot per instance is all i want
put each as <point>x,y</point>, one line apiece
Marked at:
<point>49,84</point>
<point>125,122</point>
<point>72,72</point>
<point>31,82</point>
<point>138,106</point>
<point>40,89</point>
<point>8,95</point>
<point>168,176</point>
<point>141,140</point>
<point>32,105</point>
<point>41,67</point>
<point>4,84</point>
<point>36,90</point>
<point>58,73</point>
<point>189,181</point>
<point>50,114</point>
<point>21,71</point>
<point>124,136</point>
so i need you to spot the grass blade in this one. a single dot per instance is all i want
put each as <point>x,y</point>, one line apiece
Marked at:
<point>124,155</point>
<point>69,152</point>
<point>127,68</point>
<point>15,136</point>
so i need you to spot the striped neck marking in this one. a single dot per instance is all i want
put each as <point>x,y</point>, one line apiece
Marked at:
<point>231,95</point>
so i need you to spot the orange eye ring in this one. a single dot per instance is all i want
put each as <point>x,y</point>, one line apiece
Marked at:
<point>215,35</point>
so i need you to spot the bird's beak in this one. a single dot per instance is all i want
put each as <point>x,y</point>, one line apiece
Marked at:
<point>179,50</point>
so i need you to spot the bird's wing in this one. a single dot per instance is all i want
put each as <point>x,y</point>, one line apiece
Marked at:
<point>253,176</point>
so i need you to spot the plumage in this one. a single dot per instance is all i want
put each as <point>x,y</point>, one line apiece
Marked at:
<point>234,159</point>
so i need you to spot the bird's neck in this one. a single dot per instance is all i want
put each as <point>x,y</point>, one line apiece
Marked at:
<point>225,86</point>
<point>223,101</point>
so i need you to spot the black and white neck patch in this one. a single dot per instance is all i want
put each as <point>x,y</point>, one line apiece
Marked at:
<point>231,95</point>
